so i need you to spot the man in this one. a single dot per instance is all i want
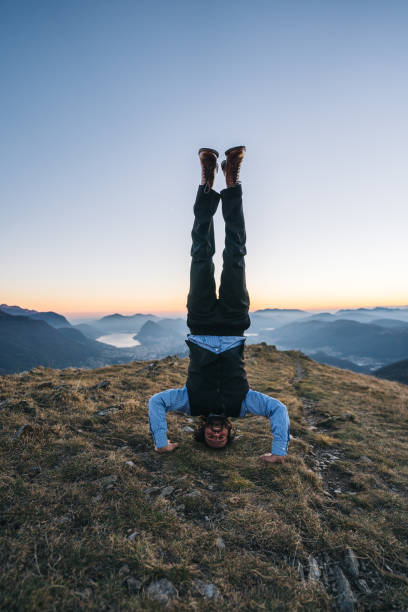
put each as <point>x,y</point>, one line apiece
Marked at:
<point>217,388</point>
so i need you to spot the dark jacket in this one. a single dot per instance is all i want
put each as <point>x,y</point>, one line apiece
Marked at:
<point>216,383</point>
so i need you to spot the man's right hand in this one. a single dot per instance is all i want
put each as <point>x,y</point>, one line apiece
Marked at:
<point>167,449</point>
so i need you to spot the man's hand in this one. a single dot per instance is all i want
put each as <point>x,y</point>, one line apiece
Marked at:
<point>166,449</point>
<point>269,458</point>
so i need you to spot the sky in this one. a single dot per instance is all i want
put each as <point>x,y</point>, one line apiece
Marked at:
<point>104,105</point>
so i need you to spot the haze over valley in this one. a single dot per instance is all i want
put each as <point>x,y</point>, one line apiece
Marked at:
<point>363,340</point>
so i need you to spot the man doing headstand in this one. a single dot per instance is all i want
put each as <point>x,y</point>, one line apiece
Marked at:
<point>217,388</point>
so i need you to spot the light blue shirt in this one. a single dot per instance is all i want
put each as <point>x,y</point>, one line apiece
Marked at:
<point>253,403</point>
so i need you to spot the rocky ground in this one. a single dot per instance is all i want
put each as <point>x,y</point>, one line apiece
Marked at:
<point>92,518</point>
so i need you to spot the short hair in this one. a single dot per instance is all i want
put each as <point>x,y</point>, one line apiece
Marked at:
<point>206,420</point>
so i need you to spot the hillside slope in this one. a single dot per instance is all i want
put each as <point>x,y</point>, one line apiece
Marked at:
<point>94,519</point>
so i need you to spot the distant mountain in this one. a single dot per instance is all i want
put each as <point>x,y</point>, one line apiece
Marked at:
<point>117,323</point>
<point>274,317</point>
<point>52,318</point>
<point>152,332</point>
<point>26,343</point>
<point>88,330</point>
<point>369,315</point>
<point>177,327</point>
<point>395,371</point>
<point>344,337</point>
<point>393,323</point>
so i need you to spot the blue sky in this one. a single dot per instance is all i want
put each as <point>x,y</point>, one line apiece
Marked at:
<point>106,104</point>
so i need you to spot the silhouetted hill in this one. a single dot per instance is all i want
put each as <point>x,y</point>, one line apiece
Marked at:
<point>395,371</point>
<point>93,519</point>
<point>26,343</point>
<point>150,332</point>
<point>367,315</point>
<point>88,330</point>
<point>122,323</point>
<point>52,318</point>
<point>274,317</point>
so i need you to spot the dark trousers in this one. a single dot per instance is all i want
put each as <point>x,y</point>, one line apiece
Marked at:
<point>227,315</point>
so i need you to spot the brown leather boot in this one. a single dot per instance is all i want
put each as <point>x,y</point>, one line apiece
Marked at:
<point>232,165</point>
<point>209,167</point>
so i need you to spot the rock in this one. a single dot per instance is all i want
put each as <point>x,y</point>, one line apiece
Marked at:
<point>189,420</point>
<point>130,464</point>
<point>220,544</point>
<point>105,384</point>
<point>188,429</point>
<point>132,537</point>
<point>124,570</point>
<point>365,459</point>
<point>166,491</point>
<point>133,584</point>
<point>314,571</point>
<point>108,480</point>
<point>162,590</point>
<point>206,589</point>
<point>108,410</point>
<point>194,493</point>
<point>363,586</point>
<point>22,431</point>
<point>351,563</point>
<point>345,597</point>
<point>300,571</point>
<point>337,491</point>
<point>151,490</point>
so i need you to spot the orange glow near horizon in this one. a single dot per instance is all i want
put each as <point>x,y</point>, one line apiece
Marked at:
<point>89,308</point>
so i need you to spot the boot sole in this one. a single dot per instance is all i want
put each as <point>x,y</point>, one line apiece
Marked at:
<point>234,149</point>
<point>206,150</point>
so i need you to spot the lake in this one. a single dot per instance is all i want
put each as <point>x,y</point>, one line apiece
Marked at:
<point>119,340</point>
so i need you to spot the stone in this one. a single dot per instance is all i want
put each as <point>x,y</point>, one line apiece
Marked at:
<point>314,571</point>
<point>338,491</point>
<point>21,431</point>
<point>103,385</point>
<point>345,596</point>
<point>351,563</point>
<point>220,544</point>
<point>162,590</point>
<point>194,493</point>
<point>133,584</point>
<point>207,589</point>
<point>108,410</point>
<point>166,491</point>
<point>188,429</point>
<point>365,459</point>
<point>130,463</point>
<point>363,586</point>
<point>151,490</point>
<point>108,480</point>
<point>132,537</point>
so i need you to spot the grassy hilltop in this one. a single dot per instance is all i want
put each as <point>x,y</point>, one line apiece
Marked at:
<point>93,519</point>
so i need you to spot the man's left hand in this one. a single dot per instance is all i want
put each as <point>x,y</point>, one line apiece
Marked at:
<point>270,458</point>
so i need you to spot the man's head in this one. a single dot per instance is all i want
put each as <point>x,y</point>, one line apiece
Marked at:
<point>215,432</point>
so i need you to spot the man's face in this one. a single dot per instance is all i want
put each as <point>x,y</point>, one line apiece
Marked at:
<point>216,434</point>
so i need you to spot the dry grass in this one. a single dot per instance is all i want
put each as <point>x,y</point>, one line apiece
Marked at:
<point>69,499</point>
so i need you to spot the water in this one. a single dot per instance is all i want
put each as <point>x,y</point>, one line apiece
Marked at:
<point>119,340</point>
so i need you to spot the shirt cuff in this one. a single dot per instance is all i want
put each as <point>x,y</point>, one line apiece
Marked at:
<point>278,448</point>
<point>160,439</point>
